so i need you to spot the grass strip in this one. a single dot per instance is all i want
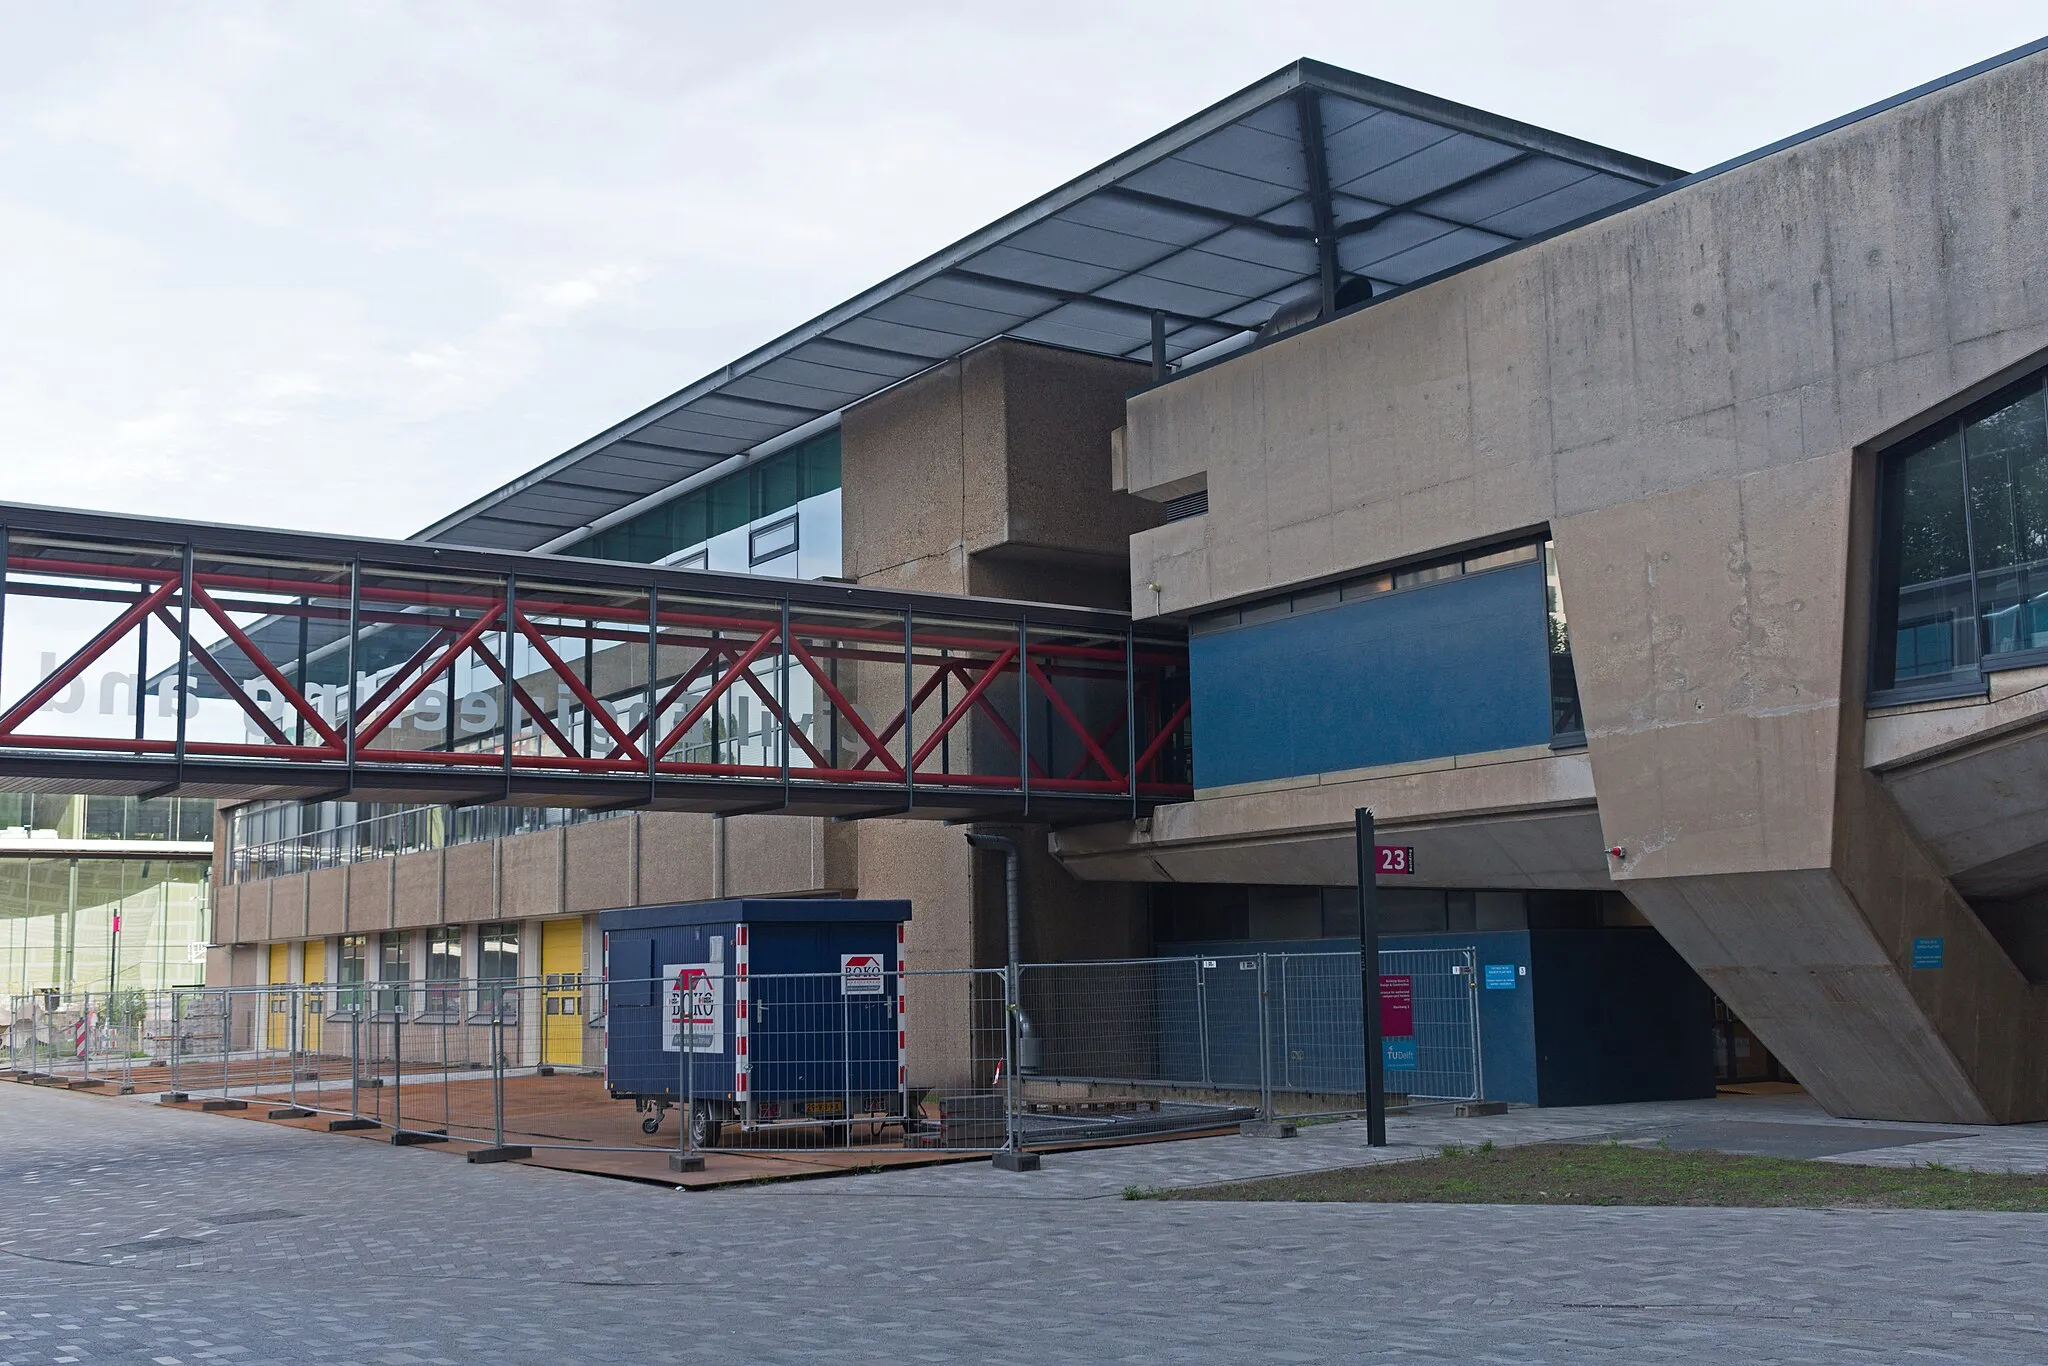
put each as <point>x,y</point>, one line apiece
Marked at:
<point>1617,1174</point>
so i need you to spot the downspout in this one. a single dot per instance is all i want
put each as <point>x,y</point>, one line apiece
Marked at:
<point>1029,1052</point>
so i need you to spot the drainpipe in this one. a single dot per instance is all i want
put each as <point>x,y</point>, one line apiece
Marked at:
<point>1029,1051</point>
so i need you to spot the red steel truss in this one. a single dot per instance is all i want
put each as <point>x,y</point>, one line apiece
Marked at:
<point>270,663</point>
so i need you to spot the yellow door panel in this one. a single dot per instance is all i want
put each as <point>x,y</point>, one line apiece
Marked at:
<point>278,1032</point>
<point>561,966</point>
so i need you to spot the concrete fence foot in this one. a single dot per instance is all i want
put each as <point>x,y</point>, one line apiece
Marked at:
<point>1267,1128</point>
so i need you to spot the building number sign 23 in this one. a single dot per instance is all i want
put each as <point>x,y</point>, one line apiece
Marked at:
<point>1394,858</point>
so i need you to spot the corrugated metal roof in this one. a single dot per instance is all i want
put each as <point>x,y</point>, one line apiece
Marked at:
<point>1213,223</point>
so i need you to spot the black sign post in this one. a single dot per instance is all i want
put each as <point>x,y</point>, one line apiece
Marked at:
<point>1369,980</point>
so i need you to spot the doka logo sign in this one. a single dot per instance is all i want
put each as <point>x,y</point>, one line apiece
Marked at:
<point>860,974</point>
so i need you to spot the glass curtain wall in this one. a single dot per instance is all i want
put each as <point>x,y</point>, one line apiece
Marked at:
<point>778,516</point>
<point>26,815</point>
<point>77,923</point>
<point>82,924</point>
<point>1962,582</point>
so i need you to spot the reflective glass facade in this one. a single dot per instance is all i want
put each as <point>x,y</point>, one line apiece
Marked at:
<point>777,516</point>
<point>1962,581</point>
<point>186,819</point>
<point>82,924</point>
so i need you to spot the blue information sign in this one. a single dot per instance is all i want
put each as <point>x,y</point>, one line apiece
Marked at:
<point>1500,976</point>
<point>1927,953</point>
<point>1399,1053</point>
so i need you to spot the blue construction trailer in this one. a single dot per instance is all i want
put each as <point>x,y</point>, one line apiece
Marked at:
<point>788,1013</point>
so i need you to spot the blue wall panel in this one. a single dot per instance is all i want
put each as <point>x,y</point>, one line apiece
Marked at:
<point>1458,667</point>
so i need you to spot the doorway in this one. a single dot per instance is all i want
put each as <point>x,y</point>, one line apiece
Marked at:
<point>561,965</point>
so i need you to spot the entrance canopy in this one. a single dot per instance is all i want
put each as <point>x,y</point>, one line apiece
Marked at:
<point>1307,181</point>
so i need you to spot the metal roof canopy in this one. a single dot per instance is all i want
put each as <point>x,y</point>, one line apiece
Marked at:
<point>1310,176</point>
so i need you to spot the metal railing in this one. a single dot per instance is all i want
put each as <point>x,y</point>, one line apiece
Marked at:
<point>390,833</point>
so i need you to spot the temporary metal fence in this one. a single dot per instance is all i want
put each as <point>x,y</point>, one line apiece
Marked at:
<point>88,1039</point>
<point>1284,1027</point>
<point>782,1064</point>
<point>764,1064</point>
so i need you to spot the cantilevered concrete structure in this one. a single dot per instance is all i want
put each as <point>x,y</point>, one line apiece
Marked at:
<point>1698,397</point>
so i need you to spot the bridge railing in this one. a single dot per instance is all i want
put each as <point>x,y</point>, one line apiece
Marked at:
<point>270,663</point>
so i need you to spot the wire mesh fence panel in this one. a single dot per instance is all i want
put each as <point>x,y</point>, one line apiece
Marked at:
<point>1444,1062</point>
<point>1429,1026</point>
<point>1126,1020</point>
<point>811,1061</point>
<point>717,1058</point>
<point>549,1088</point>
<point>1284,1027</point>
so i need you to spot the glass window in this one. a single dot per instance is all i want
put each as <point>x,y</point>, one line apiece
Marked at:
<point>1499,559</point>
<point>1566,720</point>
<point>394,972</point>
<point>770,541</point>
<point>497,964</point>
<point>778,482</point>
<point>348,972</point>
<point>761,490</point>
<point>444,969</point>
<point>1963,544</point>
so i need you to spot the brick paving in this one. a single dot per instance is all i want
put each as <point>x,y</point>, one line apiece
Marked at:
<point>132,1233</point>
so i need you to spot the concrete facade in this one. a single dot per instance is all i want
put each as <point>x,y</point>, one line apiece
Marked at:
<point>1690,395</point>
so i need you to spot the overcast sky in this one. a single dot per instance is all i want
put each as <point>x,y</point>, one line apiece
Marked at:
<point>347,266</point>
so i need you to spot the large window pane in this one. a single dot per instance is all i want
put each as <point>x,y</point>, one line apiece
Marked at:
<point>497,967</point>
<point>444,970</point>
<point>2007,452</point>
<point>1930,617</point>
<point>393,972</point>
<point>348,972</point>
<point>1963,558</point>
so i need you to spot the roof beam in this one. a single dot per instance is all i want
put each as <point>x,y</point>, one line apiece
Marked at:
<point>1309,112</point>
<point>1214,215</point>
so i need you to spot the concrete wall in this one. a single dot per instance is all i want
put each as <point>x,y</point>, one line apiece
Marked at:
<point>989,474</point>
<point>1689,394</point>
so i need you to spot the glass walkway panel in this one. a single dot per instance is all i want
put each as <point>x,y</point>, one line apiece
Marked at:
<point>140,656</point>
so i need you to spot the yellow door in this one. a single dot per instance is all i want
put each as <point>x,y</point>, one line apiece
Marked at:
<point>313,1001</point>
<point>279,1032</point>
<point>561,966</point>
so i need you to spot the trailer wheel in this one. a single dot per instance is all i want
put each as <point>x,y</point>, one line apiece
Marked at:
<point>651,1124</point>
<point>703,1127</point>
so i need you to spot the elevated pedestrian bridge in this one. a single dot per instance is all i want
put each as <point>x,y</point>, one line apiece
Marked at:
<point>146,656</point>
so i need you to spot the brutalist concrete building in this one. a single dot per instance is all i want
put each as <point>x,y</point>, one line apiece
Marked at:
<point>1661,556</point>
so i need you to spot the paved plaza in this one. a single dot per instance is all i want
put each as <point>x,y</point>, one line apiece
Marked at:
<point>132,1233</point>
